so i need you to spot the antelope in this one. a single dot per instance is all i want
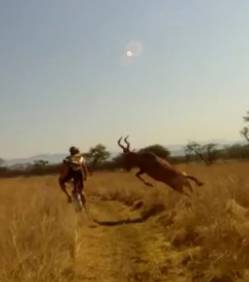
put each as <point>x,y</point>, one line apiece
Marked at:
<point>157,168</point>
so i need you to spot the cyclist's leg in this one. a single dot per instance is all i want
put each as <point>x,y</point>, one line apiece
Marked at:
<point>80,184</point>
<point>75,183</point>
<point>62,182</point>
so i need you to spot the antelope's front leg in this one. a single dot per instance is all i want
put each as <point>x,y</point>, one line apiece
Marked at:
<point>138,175</point>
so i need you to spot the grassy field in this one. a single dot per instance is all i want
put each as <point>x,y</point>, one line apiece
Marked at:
<point>204,238</point>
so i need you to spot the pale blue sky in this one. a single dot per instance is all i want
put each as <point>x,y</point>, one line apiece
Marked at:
<point>64,80</point>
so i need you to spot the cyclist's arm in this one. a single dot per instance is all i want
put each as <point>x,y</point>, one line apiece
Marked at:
<point>84,168</point>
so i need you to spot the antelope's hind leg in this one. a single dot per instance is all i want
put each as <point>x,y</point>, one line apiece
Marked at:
<point>179,187</point>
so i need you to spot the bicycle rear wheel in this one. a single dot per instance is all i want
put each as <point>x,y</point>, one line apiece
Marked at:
<point>78,197</point>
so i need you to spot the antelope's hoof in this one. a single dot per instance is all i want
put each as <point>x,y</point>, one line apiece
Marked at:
<point>149,184</point>
<point>201,183</point>
<point>69,200</point>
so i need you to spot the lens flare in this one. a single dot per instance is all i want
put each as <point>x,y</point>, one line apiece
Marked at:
<point>135,48</point>
<point>129,53</point>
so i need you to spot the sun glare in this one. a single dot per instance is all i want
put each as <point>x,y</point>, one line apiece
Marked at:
<point>129,53</point>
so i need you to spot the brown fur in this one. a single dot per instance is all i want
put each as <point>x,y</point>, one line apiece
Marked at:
<point>157,168</point>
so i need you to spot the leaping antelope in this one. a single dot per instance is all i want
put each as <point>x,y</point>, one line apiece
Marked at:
<point>157,168</point>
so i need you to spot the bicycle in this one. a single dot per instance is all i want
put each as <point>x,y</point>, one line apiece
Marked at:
<point>78,198</point>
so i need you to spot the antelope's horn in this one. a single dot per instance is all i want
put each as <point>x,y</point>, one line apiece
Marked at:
<point>127,143</point>
<point>120,145</point>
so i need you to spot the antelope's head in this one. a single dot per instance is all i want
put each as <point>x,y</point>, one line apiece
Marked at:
<point>130,158</point>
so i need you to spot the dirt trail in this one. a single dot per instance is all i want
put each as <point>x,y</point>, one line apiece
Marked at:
<point>127,252</point>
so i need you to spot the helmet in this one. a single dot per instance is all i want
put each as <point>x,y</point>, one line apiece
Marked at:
<point>73,150</point>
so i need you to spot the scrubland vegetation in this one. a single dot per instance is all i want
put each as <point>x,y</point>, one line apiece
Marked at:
<point>37,232</point>
<point>204,238</point>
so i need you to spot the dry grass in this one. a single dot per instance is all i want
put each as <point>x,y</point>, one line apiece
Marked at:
<point>215,223</point>
<point>37,234</point>
<point>210,231</point>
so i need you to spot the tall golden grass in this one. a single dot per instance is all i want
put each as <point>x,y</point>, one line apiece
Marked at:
<point>210,231</point>
<point>37,234</point>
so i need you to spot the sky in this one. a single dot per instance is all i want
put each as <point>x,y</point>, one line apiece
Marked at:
<point>83,72</point>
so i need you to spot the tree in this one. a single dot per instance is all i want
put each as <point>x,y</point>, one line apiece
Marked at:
<point>211,152</point>
<point>245,130</point>
<point>206,153</point>
<point>158,150</point>
<point>246,118</point>
<point>2,162</point>
<point>117,161</point>
<point>38,167</point>
<point>245,133</point>
<point>97,155</point>
<point>40,164</point>
<point>236,151</point>
<point>194,148</point>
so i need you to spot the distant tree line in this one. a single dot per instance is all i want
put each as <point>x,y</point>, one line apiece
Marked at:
<point>39,167</point>
<point>99,158</point>
<point>210,153</point>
